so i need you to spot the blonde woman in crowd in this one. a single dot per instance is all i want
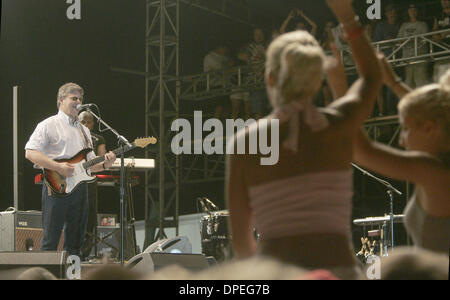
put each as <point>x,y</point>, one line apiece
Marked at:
<point>425,119</point>
<point>301,207</point>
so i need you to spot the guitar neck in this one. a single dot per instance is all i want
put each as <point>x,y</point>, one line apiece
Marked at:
<point>99,159</point>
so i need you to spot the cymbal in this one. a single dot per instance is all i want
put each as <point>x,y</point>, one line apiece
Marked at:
<point>378,220</point>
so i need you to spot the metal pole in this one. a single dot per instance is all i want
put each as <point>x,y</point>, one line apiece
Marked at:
<point>162,45</point>
<point>177,114</point>
<point>15,146</point>
<point>391,197</point>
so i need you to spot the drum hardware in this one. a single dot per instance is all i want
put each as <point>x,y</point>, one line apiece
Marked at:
<point>215,236</point>
<point>128,217</point>
<point>390,191</point>
<point>207,205</point>
<point>370,245</point>
<point>372,233</point>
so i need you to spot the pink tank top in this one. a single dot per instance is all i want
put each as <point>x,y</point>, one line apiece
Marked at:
<point>305,204</point>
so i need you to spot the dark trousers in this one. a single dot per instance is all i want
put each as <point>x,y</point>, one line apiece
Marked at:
<point>91,232</point>
<point>69,213</point>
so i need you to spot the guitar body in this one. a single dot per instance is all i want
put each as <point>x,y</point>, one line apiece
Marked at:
<point>61,185</point>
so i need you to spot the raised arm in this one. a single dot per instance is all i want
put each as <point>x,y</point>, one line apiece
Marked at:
<point>335,73</point>
<point>392,80</point>
<point>357,104</point>
<point>236,195</point>
<point>310,22</point>
<point>413,166</point>
<point>286,22</point>
<point>437,37</point>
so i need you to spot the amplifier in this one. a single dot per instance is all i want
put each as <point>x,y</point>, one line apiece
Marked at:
<point>22,231</point>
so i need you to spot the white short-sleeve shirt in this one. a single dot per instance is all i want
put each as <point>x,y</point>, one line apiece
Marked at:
<point>58,137</point>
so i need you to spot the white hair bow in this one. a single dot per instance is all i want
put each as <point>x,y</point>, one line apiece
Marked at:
<point>290,113</point>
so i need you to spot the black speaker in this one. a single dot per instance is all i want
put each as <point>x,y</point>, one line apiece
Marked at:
<point>152,262</point>
<point>108,242</point>
<point>54,262</point>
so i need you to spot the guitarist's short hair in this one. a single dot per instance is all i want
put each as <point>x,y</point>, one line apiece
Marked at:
<point>66,89</point>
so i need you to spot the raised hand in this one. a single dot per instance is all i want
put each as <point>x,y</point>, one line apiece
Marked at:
<point>291,14</point>
<point>390,78</point>
<point>335,73</point>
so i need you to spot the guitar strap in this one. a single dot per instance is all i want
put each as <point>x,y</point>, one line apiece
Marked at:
<point>87,142</point>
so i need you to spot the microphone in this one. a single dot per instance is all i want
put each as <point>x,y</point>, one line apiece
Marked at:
<point>83,106</point>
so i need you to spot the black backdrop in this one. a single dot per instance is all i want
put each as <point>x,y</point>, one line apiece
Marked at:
<point>40,49</point>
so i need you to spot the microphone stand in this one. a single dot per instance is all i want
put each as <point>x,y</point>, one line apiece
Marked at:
<point>121,141</point>
<point>391,190</point>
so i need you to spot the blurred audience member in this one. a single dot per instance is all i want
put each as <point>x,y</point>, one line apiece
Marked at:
<point>36,273</point>
<point>113,272</point>
<point>327,36</point>
<point>384,31</point>
<point>216,60</point>
<point>416,74</point>
<point>253,54</point>
<point>301,206</point>
<point>387,29</point>
<point>255,268</point>
<point>299,25</point>
<point>441,23</point>
<point>406,263</point>
<point>424,115</point>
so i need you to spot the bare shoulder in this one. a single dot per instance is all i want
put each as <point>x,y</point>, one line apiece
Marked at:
<point>336,119</point>
<point>436,172</point>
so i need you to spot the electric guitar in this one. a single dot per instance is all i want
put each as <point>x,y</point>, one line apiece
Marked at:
<point>61,185</point>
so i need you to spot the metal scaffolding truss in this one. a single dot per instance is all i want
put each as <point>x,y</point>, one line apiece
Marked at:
<point>373,127</point>
<point>425,49</point>
<point>162,96</point>
<point>222,82</point>
<point>162,106</point>
<point>203,86</point>
<point>234,10</point>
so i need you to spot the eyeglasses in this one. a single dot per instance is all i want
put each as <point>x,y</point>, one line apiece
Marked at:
<point>76,98</point>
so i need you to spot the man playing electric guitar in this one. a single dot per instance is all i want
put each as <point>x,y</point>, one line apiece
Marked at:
<point>58,137</point>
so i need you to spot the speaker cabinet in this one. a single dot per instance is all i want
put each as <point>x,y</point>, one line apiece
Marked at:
<point>152,262</point>
<point>22,231</point>
<point>54,262</point>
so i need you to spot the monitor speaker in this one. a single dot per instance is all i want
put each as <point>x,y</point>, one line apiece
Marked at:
<point>14,263</point>
<point>152,262</point>
<point>175,245</point>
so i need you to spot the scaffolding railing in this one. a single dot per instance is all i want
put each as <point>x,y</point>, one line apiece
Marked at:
<point>234,10</point>
<point>223,82</point>
<point>424,46</point>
